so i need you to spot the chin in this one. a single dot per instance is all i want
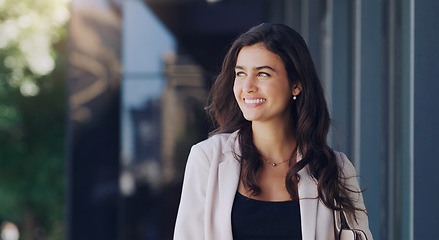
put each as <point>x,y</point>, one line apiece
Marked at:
<point>250,118</point>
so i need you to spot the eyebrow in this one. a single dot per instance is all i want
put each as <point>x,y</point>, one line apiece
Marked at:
<point>258,68</point>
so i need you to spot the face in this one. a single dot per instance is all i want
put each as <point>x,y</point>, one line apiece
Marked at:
<point>261,85</point>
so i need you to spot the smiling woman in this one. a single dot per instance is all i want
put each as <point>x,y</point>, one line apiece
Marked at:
<point>270,149</point>
<point>261,76</point>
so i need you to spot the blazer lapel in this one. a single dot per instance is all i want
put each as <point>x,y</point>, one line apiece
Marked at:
<point>308,200</point>
<point>228,179</point>
<point>229,170</point>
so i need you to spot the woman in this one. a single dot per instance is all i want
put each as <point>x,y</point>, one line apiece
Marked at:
<point>266,172</point>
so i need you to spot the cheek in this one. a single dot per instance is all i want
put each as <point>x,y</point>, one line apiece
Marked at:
<point>236,90</point>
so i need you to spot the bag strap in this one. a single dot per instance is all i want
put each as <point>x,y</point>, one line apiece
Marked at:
<point>344,222</point>
<point>358,234</point>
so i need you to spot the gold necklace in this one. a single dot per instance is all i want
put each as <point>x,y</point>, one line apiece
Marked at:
<point>273,163</point>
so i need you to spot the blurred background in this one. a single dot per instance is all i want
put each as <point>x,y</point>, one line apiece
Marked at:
<point>101,100</point>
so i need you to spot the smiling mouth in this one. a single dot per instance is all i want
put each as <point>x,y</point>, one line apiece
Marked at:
<point>253,101</point>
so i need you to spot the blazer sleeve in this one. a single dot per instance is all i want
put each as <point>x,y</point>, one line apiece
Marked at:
<point>190,218</point>
<point>349,174</point>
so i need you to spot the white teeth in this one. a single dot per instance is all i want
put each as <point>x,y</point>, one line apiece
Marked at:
<point>253,101</point>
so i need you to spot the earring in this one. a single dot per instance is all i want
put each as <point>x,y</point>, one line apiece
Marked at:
<point>294,97</point>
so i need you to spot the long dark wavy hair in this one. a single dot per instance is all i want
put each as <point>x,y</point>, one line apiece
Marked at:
<point>311,119</point>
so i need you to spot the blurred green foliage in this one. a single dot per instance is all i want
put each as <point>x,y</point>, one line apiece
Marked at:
<point>33,65</point>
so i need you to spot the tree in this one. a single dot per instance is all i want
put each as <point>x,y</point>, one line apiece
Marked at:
<point>32,115</point>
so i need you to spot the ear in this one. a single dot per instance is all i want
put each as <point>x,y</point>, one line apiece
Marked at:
<point>297,88</point>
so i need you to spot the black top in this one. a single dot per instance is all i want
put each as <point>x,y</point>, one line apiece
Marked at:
<point>264,220</point>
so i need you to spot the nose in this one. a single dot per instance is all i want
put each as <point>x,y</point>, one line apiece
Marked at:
<point>249,84</point>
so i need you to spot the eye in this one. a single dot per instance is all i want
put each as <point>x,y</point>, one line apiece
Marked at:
<point>263,74</point>
<point>240,74</point>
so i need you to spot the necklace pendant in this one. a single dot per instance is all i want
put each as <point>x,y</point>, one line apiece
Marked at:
<point>274,164</point>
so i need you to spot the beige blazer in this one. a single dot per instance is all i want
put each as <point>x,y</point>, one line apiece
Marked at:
<point>210,184</point>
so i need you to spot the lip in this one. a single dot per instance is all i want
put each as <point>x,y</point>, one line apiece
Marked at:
<point>256,101</point>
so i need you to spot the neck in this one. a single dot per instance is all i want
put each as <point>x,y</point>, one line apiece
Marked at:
<point>274,141</point>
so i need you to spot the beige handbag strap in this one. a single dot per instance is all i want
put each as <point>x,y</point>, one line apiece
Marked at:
<point>344,231</point>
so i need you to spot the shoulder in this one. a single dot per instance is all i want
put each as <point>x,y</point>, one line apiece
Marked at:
<point>346,167</point>
<point>221,142</point>
<point>216,140</point>
<point>348,176</point>
<point>216,146</point>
